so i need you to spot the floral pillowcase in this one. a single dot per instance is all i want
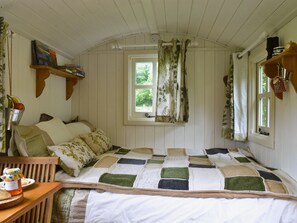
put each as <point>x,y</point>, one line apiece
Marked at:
<point>97,141</point>
<point>74,155</point>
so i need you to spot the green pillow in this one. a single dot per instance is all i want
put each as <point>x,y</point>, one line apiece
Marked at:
<point>31,141</point>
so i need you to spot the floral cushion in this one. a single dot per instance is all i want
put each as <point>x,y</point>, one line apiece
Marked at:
<point>74,155</point>
<point>97,141</point>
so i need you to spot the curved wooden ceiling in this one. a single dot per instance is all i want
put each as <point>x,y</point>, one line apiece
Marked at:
<point>74,26</point>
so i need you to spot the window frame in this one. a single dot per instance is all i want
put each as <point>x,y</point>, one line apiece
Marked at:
<point>265,96</point>
<point>132,79</point>
<point>253,134</point>
<point>129,95</point>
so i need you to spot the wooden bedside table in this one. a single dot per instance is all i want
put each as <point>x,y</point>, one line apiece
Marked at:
<point>33,195</point>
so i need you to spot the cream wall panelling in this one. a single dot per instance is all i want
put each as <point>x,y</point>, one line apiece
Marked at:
<point>284,154</point>
<point>206,67</point>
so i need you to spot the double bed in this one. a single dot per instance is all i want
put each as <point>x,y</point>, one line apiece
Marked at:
<point>105,183</point>
<point>137,185</point>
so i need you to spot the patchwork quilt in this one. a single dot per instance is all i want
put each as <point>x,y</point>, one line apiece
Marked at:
<point>220,172</point>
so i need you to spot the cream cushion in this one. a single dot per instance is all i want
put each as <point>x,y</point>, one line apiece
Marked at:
<point>57,130</point>
<point>78,128</point>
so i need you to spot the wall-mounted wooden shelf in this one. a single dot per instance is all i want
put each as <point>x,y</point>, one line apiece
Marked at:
<point>43,72</point>
<point>288,60</point>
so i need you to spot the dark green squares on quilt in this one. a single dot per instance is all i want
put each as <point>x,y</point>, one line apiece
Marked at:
<point>175,172</point>
<point>193,165</point>
<point>152,161</point>
<point>244,183</point>
<point>122,151</point>
<point>242,159</point>
<point>125,180</point>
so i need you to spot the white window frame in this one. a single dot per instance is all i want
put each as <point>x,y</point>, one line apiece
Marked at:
<point>263,95</point>
<point>130,117</point>
<point>253,134</point>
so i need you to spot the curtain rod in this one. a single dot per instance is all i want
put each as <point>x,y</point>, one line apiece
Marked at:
<point>117,46</point>
<point>260,39</point>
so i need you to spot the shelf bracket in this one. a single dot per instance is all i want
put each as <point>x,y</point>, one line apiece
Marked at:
<point>41,76</point>
<point>70,82</point>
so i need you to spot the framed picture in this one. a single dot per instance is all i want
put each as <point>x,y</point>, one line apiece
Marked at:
<point>42,54</point>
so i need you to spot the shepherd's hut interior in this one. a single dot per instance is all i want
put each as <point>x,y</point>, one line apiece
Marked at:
<point>148,111</point>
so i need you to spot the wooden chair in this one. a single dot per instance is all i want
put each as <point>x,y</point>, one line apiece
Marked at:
<point>41,169</point>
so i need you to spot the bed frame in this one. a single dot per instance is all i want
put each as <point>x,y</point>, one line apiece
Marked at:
<point>41,169</point>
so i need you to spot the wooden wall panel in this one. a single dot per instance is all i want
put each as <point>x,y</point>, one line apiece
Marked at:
<point>139,136</point>
<point>149,136</point>
<point>218,89</point>
<point>209,107</point>
<point>199,102</point>
<point>102,91</point>
<point>120,100</point>
<point>206,67</point>
<point>160,137</point>
<point>85,88</point>
<point>93,90</point>
<point>169,136</point>
<point>190,127</point>
<point>111,96</point>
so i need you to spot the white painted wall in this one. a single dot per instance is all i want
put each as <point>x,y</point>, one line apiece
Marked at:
<point>53,99</point>
<point>101,96</point>
<point>284,155</point>
<point>99,99</point>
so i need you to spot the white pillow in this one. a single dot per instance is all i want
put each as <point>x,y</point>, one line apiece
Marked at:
<point>57,130</point>
<point>78,128</point>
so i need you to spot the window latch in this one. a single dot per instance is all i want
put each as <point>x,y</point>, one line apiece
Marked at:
<point>147,115</point>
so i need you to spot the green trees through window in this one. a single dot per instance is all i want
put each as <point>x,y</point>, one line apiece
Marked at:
<point>144,86</point>
<point>263,97</point>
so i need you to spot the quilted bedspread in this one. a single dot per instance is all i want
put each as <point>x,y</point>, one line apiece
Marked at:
<point>220,172</point>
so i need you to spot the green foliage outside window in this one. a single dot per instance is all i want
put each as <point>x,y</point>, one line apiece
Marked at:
<point>144,73</point>
<point>144,97</point>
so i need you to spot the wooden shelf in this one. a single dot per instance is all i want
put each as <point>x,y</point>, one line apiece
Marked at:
<point>288,60</point>
<point>43,72</point>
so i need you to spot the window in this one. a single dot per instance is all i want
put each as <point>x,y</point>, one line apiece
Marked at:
<point>141,79</point>
<point>261,104</point>
<point>263,101</point>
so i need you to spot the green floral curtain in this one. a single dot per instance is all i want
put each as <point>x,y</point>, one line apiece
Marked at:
<point>172,104</point>
<point>228,116</point>
<point>235,112</point>
<point>3,35</point>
